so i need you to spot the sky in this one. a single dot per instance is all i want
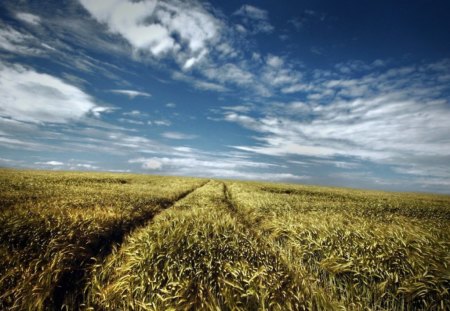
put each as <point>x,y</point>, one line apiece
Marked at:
<point>340,93</point>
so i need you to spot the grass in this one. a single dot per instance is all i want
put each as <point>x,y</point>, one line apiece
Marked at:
<point>133,242</point>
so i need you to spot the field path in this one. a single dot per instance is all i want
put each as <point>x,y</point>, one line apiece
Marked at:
<point>71,286</point>
<point>201,254</point>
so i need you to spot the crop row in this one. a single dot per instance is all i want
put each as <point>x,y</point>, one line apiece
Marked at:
<point>364,256</point>
<point>54,226</point>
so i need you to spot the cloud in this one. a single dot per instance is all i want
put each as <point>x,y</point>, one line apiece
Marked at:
<point>252,12</point>
<point>200,40</point>
<point>29,18</point>
<point>199,84</point>
<point>171,105</point>
<point>239,108</point>
<point>51,163</point>
<point>274,61</point>
<point>10,162</point>
<point>161,122</point>
<point>277,73</point>
<point>131,93</point>
<point>229,73</point>
<point>262,77</point>
<point>296,23</point>
<point>86,166</point>
<point>135,113</point>
<point>130,121</point>
<point>208,86</point>
<point>289,177</point>
<point>295,88</point>
<point>194,162</point>
<point>6,160</point>
<point>390,117</point>
<point>227,167</point>
<point>184,29</point>
<point>254,18</point>
<point>38,97</point>
<point>18,42</point>
<point>355,66</point>
<point>177,135</point>
<point>148,164</point>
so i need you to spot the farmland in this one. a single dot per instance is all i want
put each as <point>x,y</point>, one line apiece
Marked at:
<point>99,241</point>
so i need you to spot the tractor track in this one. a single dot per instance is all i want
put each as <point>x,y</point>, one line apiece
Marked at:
<point>69,291</point>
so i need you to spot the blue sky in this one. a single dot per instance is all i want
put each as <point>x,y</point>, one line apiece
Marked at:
<point>342,93</point>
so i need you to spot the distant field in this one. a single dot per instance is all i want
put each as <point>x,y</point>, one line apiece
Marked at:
<point>135,242</point>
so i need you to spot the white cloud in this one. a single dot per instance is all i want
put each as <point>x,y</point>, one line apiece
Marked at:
<point>97,111</point>
<point>51,163</point>
<point>255,18</point>
<point>160,27</point>
<point>241,29</point>
<point>229,73</point>
<point>274,61</point>
<point>280,147</point>
<point>193,162</point>
<point>436,169</point>
<point>209,86</point>
<point>86,166</point>
<point>257,176</point>
<point>38,97</point>
<point>199,84</point>
<point>252,12</point>
<point>29,18</point>
<point>171,105</point>
<point>295,88</point>
<point>149,164</point>
<point>279,74</point>
<point>397,119</point>
<point>239,108</point>
<point>177,135</point>
<point>130,121</point>
<point>17,42</point>
<point>10,162</point>
<point>161,122</point>
<point>199,42</point>
<point>131,93</point>
<point>184,149</point>
<point>135,113</point>
<point>6,160</point>
<point>226,167</point>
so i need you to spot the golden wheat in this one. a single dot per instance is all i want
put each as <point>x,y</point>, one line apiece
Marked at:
<point>92,241</point>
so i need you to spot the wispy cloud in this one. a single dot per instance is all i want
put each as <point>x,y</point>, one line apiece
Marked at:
<point>160,122</point>
<point>178,135</point>
<point>51,163</point>
<point>29,18</point>
<point>135,113</point>
<point>131,121</point>
<point>256,19</point>
<point>227,167</point>
<point>132,93</point>
<point>198,83</point>
<point>392,117</point>
<point>17,42</point>
<point>344,119</point>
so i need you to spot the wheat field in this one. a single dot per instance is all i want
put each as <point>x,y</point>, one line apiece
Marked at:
<point>100,241</point>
